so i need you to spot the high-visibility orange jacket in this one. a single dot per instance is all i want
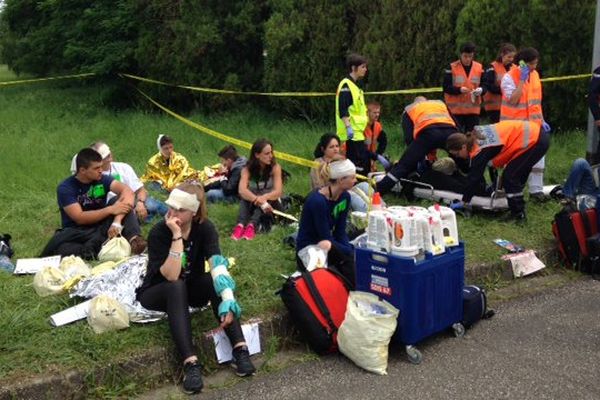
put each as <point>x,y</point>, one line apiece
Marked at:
<point>529,107</point>
<point>491,101</point>
<point>461,104</point>
<point>372,133</point>
<point>515,137</point>
<point>427,113</point>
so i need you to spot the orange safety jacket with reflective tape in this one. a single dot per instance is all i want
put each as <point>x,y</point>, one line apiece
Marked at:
<point>461,104</point>
<point>515,137</point>
<point>426,113</point>
<point>491,101</point>
<point>372,132</point>
<point>529,107</point>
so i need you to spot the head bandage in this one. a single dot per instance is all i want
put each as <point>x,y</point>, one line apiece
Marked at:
<point>158,141</point>
<point>103,150</point>
<point>178,199</point>
<point>340,169</point>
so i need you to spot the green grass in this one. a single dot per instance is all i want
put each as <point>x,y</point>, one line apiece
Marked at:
<point>43,125</point>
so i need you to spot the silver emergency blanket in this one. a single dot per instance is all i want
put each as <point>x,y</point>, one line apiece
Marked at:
<point>120,283</point>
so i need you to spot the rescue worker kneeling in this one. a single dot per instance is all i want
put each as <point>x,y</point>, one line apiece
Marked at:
<point>513,145</point>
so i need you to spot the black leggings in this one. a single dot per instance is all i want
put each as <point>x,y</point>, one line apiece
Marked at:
<point>430,139</point>
<point>175,297</point>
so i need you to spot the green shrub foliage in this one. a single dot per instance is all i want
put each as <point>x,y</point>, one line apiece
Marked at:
<point>295,45</point>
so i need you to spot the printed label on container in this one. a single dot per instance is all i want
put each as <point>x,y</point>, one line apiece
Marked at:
<point>378,268</point>
<point>380,280</point>
<point>381,289</point>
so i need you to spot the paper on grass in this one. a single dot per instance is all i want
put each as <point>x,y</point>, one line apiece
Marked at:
<point>524,263</point>
<point>223,346</point>
<point>33,265</point>
<point>72,314</point>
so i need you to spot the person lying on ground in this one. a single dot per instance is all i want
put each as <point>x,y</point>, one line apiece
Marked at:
<point>426,124</point>
<point>231,166</point>
<point>582,179</point>
<point>513,145</point>
<point>88,220</point>
<point>260,190</point>
<point>178,249</point>
<point>167,169</point>
<point>146,207</point>
<point>328,150</point>
<point>324,215</point>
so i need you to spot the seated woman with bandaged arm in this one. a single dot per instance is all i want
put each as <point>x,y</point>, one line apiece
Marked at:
<point>179,276</point>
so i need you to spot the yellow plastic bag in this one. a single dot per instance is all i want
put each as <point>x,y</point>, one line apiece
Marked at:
<point>107,314</point>
<point>49,281</point>
<point>115,249</point>
<point>103,267</point>
<point>365,334</point>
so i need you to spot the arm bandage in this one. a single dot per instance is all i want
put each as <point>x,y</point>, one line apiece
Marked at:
<point>224,286</point>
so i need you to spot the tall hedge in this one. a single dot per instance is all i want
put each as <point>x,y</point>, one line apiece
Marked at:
<point>561,30</point>
<point>296,45</point>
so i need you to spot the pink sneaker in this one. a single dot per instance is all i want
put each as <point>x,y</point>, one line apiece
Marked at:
<point>249,232</point>
<point>238,231</point>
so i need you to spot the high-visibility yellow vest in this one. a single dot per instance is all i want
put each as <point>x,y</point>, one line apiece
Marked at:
<point>358,112</point>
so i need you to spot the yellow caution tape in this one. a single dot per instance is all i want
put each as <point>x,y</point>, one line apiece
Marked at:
<point>321,94</point>
<point>564,78</point>
<point>241,143</point>
<point>22,81</point>
<point>224,91</point>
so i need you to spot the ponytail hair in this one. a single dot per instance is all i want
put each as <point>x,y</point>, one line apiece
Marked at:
<point>457,140</point>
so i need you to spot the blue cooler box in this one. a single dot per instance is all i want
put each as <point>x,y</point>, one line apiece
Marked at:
<point>428,293</point>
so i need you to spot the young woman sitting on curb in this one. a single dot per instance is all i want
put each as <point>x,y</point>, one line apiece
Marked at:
<point>177,277</point>
<point>261,186</point>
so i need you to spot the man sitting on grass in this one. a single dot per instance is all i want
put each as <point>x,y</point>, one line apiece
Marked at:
<point>87,219</point>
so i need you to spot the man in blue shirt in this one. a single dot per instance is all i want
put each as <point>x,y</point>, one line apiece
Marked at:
<point>87,219</point>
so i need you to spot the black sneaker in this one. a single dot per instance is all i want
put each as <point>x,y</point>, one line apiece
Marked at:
<point>241,362</point>
<point>539,197</point>
<point>192,379</point>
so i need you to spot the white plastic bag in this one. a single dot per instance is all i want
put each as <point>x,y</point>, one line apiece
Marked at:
<point>313,257</point>
<point>107,314</point>
<point>49,281</point>
<point>73,266</point>
<point>365,334</point>
<point>115,249</point>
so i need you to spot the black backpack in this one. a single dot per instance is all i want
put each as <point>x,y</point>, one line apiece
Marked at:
<point>475,305</point>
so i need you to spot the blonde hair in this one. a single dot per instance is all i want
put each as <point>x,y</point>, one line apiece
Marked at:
<point>323,172</point>
<point>198,190</point>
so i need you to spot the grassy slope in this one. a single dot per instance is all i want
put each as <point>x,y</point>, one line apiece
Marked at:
<point>42,126</point>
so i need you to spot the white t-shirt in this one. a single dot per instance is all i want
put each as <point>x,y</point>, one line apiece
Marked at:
<point>508,86</point>
<point>125,174</point>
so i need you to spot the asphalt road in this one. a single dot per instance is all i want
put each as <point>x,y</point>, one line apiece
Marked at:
<point>542,347</point>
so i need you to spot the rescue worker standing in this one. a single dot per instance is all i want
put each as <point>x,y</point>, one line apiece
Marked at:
<point>351,113</point>
<point>513,145</point>
<point>594,105</point>
<point>522,101</point>
<point>462,88</point>
<point>492,78</point>
<point>375,137</point>
<point>429,124</point>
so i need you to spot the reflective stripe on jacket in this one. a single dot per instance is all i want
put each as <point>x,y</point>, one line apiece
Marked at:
<point>529,107</point>
<point>427,113</point>
<point>515,137</point>
<point>460,104</point>
<point>357,111</point>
